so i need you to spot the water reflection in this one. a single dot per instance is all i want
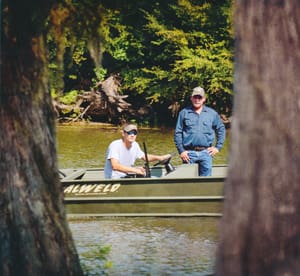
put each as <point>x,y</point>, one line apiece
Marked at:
<point>151,246</point>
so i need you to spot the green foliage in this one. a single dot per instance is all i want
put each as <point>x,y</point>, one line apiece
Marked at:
<point>182,45</point>
<point>72,36</point>
<point>53,93</point>
<point>161,49</point>
<point>69,98</point>
<point>78,52</point>
<point>100,74</point>
<point>116,36</point>
<point>95,260</point>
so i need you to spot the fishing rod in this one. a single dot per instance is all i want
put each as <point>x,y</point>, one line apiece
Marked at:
<point>147,167</point>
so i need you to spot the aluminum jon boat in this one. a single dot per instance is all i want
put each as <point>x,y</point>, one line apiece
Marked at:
<point>168,192</point>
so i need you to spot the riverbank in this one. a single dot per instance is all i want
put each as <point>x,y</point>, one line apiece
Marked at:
<point>104,125</point>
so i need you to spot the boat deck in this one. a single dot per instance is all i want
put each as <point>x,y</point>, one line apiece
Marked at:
<point>185,171</point>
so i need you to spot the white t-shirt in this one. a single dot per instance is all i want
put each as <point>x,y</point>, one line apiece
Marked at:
<point>126,157</point>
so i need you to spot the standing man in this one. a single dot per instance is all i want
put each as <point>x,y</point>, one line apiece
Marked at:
<point>196,129</point>
<point>122,153</point>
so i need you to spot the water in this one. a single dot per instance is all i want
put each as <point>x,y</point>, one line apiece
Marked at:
<point>85,146</point>
<point>149,246</point>
<point>138,246</point>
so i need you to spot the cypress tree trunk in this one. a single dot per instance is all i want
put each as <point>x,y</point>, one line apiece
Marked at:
<point>34,235</point>
<point>260,230</point>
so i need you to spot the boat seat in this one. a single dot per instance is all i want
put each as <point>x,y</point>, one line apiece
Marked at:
<point>93,175</point>
<point>184,171</point>
<point>75,175</point>
<point>219,171</point>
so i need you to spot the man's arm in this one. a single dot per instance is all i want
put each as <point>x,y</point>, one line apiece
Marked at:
<point>178,134</point>
<point>116,166</point>
<point>178,138</point>
<point>220,132</point>
<point>152,157</point>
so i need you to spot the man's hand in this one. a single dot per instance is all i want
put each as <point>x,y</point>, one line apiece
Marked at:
<point>140,171</point>
<point>185,157</point>
<point>212,151</point>
<point>164,157</point>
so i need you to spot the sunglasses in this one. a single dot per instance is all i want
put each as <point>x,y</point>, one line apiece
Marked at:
<point>134,132</point>
<point>197,97</point>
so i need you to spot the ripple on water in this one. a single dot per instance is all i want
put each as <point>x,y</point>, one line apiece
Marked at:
<point>149,246</point>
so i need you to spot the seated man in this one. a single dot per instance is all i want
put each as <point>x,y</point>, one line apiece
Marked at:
<point>122,154</point>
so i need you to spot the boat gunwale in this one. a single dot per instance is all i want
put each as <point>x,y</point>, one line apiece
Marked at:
<point>139,181</point>
<point>144,198</point>
<point>163,215</point>
<point>145,181</point>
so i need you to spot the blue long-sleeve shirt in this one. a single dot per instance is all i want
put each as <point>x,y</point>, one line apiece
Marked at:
<point>199,130</point>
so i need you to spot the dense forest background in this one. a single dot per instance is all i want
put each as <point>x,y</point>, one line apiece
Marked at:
<point>139,60</point>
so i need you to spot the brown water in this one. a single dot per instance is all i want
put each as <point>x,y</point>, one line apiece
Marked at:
<point>148,246</point>
<point>139,246</point>
<point>85,146</point>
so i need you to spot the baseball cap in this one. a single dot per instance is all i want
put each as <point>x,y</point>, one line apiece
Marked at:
<point>130,127</point>
<point>198,91</point>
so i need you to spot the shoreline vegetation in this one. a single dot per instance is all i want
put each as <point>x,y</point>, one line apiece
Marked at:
<point>105,125</point>
<point>113,126</point>
<point>104,104</point>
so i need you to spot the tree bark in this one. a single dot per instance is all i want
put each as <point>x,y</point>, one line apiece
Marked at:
<point>34,235</point>
<point>260,229</point>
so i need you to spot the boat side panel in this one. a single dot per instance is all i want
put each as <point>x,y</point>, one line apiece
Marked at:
<point>135,188</point>
<point>147,207</point>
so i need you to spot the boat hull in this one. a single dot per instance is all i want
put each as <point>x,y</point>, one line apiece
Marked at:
<point>185,196</point>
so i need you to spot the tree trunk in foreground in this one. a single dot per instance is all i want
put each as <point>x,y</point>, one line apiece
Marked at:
<point>260,229</point>
<point>34,235</point>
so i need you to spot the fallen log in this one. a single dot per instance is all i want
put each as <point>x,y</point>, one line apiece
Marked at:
<point>103,100</point>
